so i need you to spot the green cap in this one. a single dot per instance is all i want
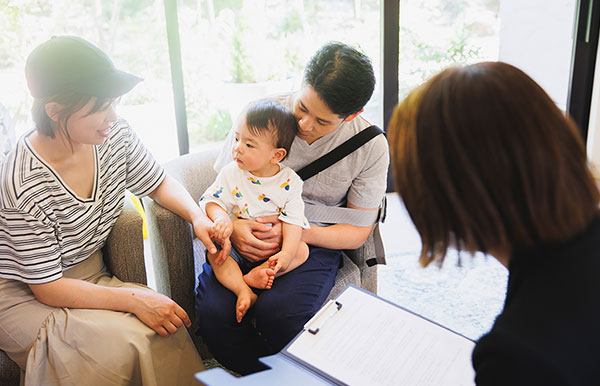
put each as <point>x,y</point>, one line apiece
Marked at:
<point>70,63</point>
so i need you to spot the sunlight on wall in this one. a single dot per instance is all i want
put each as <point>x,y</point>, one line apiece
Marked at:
<point>593,141</point>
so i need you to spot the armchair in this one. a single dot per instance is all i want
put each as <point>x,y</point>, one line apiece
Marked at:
<point>178,256</point>
<point>123,256</point>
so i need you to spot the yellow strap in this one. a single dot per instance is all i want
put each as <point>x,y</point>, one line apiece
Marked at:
<point>138,206</point>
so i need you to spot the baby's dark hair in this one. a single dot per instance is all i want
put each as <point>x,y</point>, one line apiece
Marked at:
<point>269,117</point>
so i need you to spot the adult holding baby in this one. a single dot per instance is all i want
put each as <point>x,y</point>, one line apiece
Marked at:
<point>338,82</point>
<point>63,317</point>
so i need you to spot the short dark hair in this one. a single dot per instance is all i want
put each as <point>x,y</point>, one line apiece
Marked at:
<point>342,76</point>
<point>485,161</point>
<point>269,117</point>
<point>71,102</point>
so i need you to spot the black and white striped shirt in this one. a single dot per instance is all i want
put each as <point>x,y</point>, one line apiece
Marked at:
<point>45,227</point>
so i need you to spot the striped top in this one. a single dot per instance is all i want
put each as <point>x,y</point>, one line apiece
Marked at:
<point>45,227</point>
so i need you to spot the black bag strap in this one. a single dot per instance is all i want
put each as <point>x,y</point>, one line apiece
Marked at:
<point>339,152</point>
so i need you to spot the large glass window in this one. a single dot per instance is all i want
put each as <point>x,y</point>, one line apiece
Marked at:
<point>131,32</point>
<point>237,51</point>
<point>437,34</point>
<point>535,35</point>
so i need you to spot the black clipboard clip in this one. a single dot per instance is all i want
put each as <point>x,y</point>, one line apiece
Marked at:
<point>315,324</point>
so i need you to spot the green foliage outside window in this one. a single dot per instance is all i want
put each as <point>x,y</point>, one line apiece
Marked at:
<point>229,42</point>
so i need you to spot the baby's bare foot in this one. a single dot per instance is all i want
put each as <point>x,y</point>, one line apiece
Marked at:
<point>260,278</point>
<point>245,300</point>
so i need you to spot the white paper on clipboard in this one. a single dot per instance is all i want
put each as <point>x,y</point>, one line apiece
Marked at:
<point>366,340</point>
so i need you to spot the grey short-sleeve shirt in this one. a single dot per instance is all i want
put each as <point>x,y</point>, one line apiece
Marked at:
<point>359,179</point>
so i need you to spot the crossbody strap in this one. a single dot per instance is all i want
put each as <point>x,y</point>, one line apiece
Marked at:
<point>339,152</point>
<point>333,215</point>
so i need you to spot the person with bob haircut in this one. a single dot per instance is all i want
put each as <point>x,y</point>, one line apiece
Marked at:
<point>485,161</point>
<point>338,82</point>
<point>63,318</point>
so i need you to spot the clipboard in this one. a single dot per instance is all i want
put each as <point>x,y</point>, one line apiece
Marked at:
<point>361,339</point>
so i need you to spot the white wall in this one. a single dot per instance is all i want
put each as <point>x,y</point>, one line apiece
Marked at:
<point>537,37</point>
<point>593,141</point>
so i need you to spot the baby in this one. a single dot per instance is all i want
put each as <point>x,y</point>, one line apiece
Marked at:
<point>256,185</point>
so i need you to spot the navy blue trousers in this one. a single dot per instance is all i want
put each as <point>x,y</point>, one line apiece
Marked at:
<point>280,312</point>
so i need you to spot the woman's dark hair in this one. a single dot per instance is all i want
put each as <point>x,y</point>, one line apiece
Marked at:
<point>71,102</point>
<point>269,117</point>
<point>484,160</point>
<point>342,76</point>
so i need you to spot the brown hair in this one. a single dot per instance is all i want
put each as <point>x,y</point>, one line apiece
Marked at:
<point>269,117</point>
<point>484,160</point>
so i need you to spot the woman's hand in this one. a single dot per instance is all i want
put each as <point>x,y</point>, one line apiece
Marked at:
<point>224,252</point>
<point>158,312</point>
<point>256,240</point>
<point>202,228</point>
<point>171,195</point>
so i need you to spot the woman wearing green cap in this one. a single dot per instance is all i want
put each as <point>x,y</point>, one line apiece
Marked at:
<point>63,318</point>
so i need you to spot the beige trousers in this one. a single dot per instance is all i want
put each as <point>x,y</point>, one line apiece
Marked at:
<point>62,346</point>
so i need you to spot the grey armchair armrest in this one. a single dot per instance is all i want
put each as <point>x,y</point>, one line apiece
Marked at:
<point>124,257</point>
<point>124,249</point>
<point>172,239</point>
<point>178,258</point>
<point>359,256</point>
<point>9,371</point>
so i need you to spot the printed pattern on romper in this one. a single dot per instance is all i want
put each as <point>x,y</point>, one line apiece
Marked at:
<point>236,193</point>
<point>218,192</point>
<point>247,196</point>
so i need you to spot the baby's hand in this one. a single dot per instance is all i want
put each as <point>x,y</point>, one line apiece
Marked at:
<point>274,263</point>
<point>222,228</point>
<point>224,252</point>
<point>279,262</point>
